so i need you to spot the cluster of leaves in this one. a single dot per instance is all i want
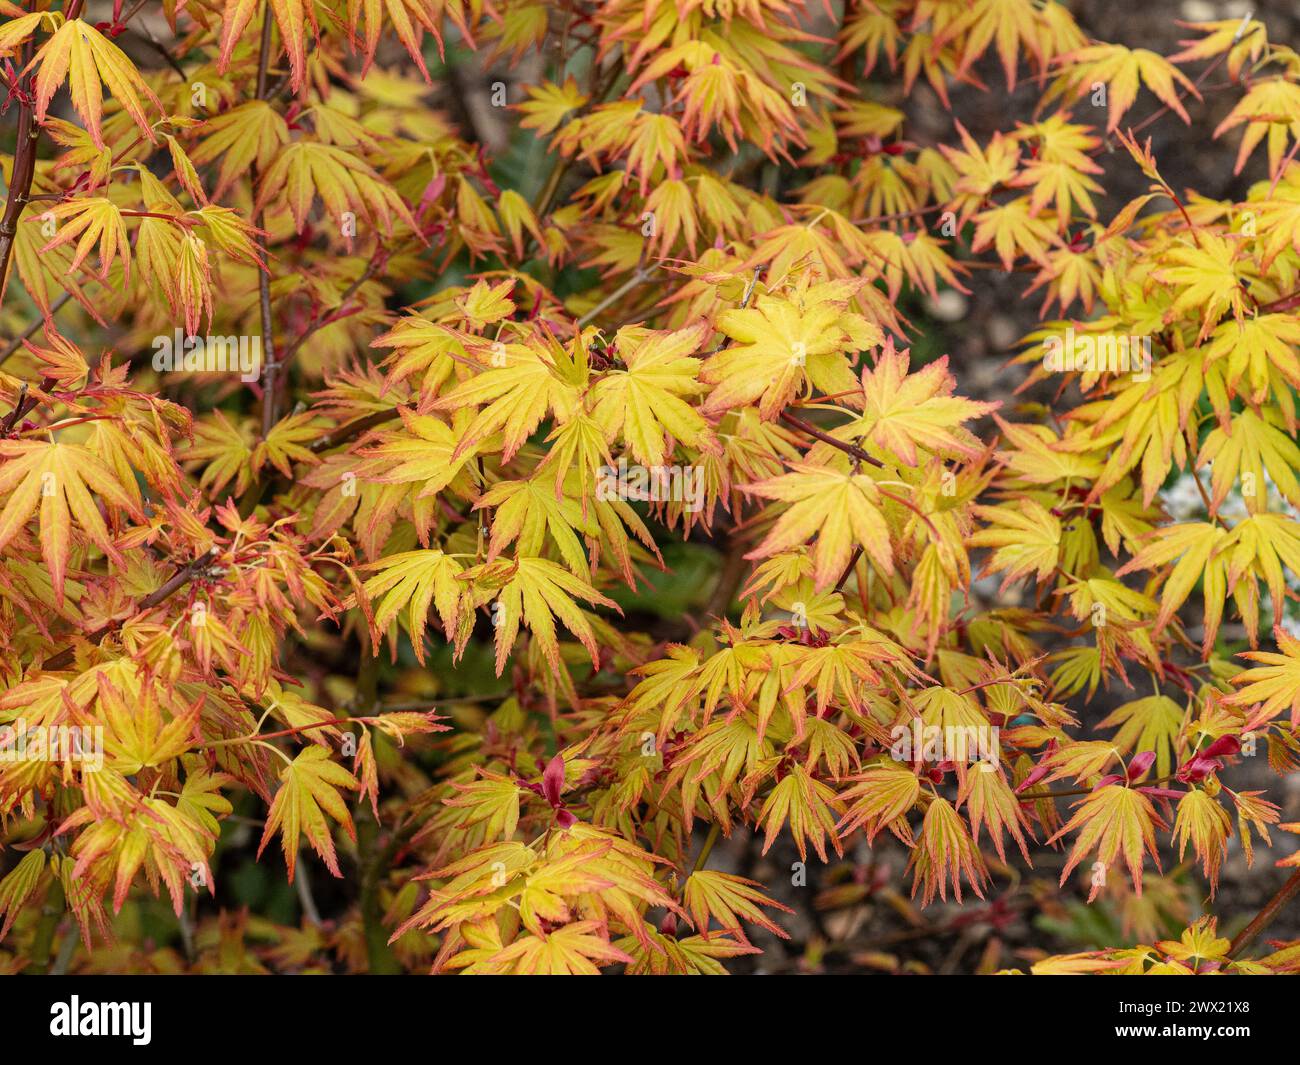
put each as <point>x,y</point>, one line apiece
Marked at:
<point>710,278</point>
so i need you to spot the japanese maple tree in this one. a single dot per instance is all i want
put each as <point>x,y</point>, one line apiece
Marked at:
<point>468,457</point>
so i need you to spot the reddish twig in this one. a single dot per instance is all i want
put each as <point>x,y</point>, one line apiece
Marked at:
<point>1266,916</point>
<point>174,583</point>
<point>817,434</point>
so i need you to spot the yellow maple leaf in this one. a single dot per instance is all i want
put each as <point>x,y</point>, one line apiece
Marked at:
<point>91,58</point>
<point>1113,819</point>
<point>309,789</point>
<point>647,401</point>
<point>58,478</point>
<point>841,509</point>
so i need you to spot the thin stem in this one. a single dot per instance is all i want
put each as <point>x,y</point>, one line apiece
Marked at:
<point>43,941</point>
<point>1031,795</point>
<point>269,367</point>
<point>320,319</point>
<point>178,580</point>
<point>257,737</point>
<point>352,429</point>
<point>35,327</point>
<point>901,216</point>
<point>826,438</point>
<point>1285,303</point>
<point>302,881</point>
<point>632,282</point>
<point>24,169</point>
<point>707,849</point>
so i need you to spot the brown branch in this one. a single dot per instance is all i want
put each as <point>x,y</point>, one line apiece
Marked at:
<point>269,380</point>
<point>24,169</point>
<point>254,493</point>
<point>861,456</point>
<point>296,730</point>
<point>1181,94</point>
<point>641,275</point>
<point>20,407</point>
<point>1030,796</point>
<point>817,434</point>
<point>25,405</point>
<point>178,580</point>
<point>730,577</point>
<point>321,318</point>
<point>1286,303</point>
<point>352,429</point>
<point>900,216</point>
<point>1266,916</point>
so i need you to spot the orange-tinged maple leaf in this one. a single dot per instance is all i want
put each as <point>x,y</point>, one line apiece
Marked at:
<point>136,731</point>
<point>225,449</point>
<point>309,790</point>
<point>1149,724</point>
<point>945,852</point>
<point>647,401</point>
<point>1272,688</point>
<point>978,171</point>
<point>1242,38</point>
<point>1013,24</point>
<point>97,221</point>
<point>289,16</point>
<point>1208,276</point>
<point>1199,549</point>
<point>307,170</point>
<point>59,478</point>
<point>252,132</point>
<point>1240,455</point>
<point>410,20</point>
<point>1027,540</point>
<point>1113,819</point>
<point>991,802</point>
<point>514,398</point>
<point>1271,108</point>
<point>1254,345</point>
<point>881,797</point>
<point>18,885</point>
<point>134,832</point>
<point>78,49</point>
<point>728,899</point>
<point>778,343</point>
<point>1015,229</point>
<point>549,104</point>
<point>1207,826</point>
<point>808,807</point>
<point>571,950</point>
<point>529,512</point>
<point>1119,69</point>
<point>841,509</point>
<point>536,591</point>
<point>903,412</point>
<point>415,580</point>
